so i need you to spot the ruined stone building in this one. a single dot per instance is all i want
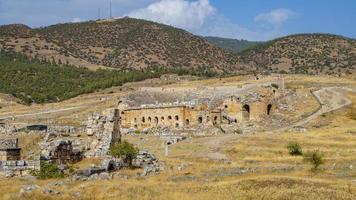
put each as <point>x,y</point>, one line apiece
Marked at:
<point>9,150</point>
<point>235,108</point>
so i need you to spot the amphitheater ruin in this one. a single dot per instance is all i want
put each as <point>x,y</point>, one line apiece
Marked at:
<point>186,108</point>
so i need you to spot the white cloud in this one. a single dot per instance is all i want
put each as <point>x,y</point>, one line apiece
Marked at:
<point>223,27</point>
<point>77,19</point>
<point>275,17</point>
<point>180,13</point>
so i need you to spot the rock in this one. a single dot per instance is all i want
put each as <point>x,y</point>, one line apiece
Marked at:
<point>148,162</point>
<point>51,192</point>
<point>93,177</point>
<point>28,188</point>
<point>108,165</point>
<point>105,176</point>
<point>57,184</point>
<point>183,166</point>
<point>89,171</point>
<point>9,174</point>
<point>76,194</point>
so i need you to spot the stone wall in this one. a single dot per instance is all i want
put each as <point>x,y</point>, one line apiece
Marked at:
<point>60,152</point>
<point>18,168</point>
<point>169,116</point>
<point>10,154</point>
<point>105,131</point>
<point>8,143</point>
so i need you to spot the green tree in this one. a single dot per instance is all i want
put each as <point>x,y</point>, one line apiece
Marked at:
<point>125,151</point>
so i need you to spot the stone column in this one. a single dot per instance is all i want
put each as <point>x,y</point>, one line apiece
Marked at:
<point>116,134</point>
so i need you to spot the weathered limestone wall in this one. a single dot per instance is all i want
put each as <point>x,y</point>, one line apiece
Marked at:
<point>174,117</point>
<point>60,152</point>
<point>105,131</point>
<point>9,150</point>
<point>18,168</point>
<point>251,107</point>
<point>10,154</point>
<point>142,118</point>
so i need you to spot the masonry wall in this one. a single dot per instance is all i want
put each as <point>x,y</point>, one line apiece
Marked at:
<point>10,154</point>
<point>174,117</point>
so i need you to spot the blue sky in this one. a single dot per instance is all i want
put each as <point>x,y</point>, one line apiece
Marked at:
<point>241,19</point>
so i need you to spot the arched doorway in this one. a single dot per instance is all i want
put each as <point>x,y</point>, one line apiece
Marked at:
<point>200,120</point>
<point>269,109</point>
<point>156,121</point>
<point>187,122</point>
<point>246,112</point>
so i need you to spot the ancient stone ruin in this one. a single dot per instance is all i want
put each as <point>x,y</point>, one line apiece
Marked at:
<point>105,131</point>
<point>10,159</point>
<point>9,150</point>
<point>219,106</point>
<point>60,152</point>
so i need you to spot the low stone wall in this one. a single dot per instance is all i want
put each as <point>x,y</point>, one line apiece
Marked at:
<point>18,167</point>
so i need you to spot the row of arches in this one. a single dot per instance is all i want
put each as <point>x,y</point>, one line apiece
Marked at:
<point>156,119</point>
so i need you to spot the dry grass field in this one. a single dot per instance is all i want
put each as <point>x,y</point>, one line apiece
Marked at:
<point>250,166</point>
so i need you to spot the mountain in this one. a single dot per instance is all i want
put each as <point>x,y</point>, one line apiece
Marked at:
<point>234,45</point>
<point>305,54</point>
<point>134,44</point>
<point>123,43</point>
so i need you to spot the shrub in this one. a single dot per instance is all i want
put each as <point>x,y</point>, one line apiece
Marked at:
<point>47,171</point>
<point>125,151</point>
<point>294,149</point>
<point>315,158</point>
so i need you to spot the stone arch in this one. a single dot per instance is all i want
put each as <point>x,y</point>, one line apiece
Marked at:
<point>187,122</point>
<point>143,120</point>
<point>149,119</point>
<point>200,120</point>
<point>176,117</point>
<point>269,109</point>
<point>156,121</point>
<point>246,112</point>
<point>169,117</point>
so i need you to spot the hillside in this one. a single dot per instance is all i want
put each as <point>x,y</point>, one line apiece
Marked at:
<point>36,81</point>
<point>304,54</point>
<point>234,45</point>
<point>128,43</point>
<point>123,43</point>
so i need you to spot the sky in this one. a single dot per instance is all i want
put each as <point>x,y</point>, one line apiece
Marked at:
<point>257,20</point>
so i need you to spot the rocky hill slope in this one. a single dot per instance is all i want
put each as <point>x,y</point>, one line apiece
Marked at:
<point>124,43</point>
<point>138,44</point>
<point>305,54</point>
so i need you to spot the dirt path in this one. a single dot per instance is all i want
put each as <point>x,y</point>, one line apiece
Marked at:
<point>330,99</point>
<point>40,113</point>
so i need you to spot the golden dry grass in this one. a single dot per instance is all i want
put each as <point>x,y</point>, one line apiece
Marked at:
<point>276,175</point>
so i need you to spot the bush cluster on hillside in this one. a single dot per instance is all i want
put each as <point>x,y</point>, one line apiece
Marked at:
<point>47,171</point>
<point>41,81</point>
